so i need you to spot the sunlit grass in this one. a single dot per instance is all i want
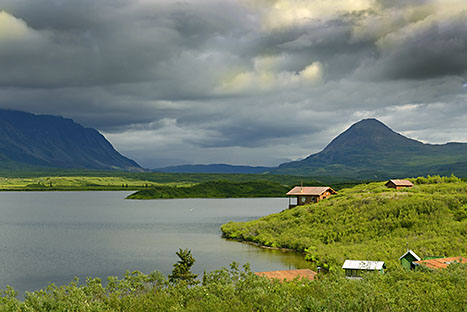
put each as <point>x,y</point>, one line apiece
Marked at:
<point>79,183</point>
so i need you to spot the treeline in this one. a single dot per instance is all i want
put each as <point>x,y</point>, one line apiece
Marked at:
<point>240,290</point>
<point>180,178</point>
<point>216,189</point>
<point>369,222</point>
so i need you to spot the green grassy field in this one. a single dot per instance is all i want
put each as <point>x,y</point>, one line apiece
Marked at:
<point>369,221</point>
<point>76,183</point>
<point>69,180</point>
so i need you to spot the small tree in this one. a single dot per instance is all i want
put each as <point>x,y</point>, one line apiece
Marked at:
<point>181,271</point>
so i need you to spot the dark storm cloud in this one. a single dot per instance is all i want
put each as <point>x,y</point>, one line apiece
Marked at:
<point>332,43</point>
<point>88,43</point>
<point>438,49</point>
<point>401,3</point>
<point>236,81</point>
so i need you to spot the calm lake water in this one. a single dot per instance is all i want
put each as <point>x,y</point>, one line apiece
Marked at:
<point>53,236</point>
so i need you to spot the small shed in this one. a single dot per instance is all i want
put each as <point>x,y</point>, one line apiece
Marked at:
<point>353,268</point>
<point>439,263</point>
<point>308,194</point>
<point>289,275</point>
<point>398,184</point>
<point>408,258</point>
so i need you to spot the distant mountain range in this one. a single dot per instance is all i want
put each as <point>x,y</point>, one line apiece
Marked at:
<point>214,168</point>
<point>367,150</point>
<point>29,141</point>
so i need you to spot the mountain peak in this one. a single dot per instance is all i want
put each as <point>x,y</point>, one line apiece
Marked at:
<point>368,134</point>
<point>370,123</point>
<point>371,149</point>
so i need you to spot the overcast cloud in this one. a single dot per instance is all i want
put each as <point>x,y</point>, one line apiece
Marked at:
<point>254,82</point>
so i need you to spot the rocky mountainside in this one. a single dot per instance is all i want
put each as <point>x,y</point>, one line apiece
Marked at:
<point>371,150</point>
<point>52,141</point>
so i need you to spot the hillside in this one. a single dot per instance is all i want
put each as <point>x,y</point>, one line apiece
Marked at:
<point>215,189</point>
<point>371,150</point>
<point>369,221</point>
<point>30,141</point>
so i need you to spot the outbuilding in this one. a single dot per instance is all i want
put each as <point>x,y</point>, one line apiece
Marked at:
<point>353,268</point>
<point>439,263</point>
<point>408,258</point>
<point>303,195</point>
<point>398,184</point>
<point>289,275</point>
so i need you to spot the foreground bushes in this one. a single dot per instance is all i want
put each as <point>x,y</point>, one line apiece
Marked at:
<point>240,290</point>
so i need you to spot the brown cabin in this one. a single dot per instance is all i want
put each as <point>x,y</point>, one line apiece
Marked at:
<point>288,275</point>
<point>304,195</point>
<point>398,184</point>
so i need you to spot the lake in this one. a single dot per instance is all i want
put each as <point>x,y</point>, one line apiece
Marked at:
<point>54,236</point>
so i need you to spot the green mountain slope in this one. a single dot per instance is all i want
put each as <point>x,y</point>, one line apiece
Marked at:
<point>369,221</point>
<point>371,150</point>
<point>29,140</point>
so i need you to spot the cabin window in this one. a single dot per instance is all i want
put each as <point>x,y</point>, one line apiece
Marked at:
<point>303,199</point>
<point>293,201</point>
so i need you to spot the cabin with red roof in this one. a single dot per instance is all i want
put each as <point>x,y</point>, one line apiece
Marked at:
<point>439,263</point>
<point>303,195</point>
<point>288,275</point>
<point>398,184</point>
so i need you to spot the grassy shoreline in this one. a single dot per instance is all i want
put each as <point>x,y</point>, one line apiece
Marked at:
<point>368,221</point>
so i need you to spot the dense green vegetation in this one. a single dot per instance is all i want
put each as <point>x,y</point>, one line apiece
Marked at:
<point>369,221</point>
<point>240,290</point>
<point>216,189</point>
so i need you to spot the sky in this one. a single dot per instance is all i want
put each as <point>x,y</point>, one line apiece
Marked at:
<point>252,82</point>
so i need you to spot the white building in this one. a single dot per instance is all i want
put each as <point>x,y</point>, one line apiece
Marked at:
<point>354,267</point>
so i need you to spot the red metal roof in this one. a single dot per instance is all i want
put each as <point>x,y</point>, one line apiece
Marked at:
<point>441,263</point>
<point>401,182</point>
<point>288,275</point>
<point>309,190</point>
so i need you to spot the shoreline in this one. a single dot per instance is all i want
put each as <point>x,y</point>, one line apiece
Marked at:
<point>262,246</point>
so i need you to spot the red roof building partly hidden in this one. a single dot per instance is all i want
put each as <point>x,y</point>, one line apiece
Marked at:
<point>309,194</point>
<point>440,263</point>
<point>288,275</point>
<point>397,184</point>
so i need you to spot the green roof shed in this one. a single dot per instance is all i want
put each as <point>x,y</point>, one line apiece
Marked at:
<point>408,258</point>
